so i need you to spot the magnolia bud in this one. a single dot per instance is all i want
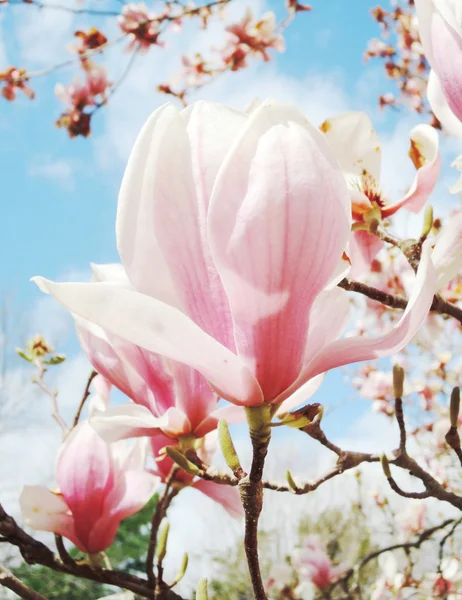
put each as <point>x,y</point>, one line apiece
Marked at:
<point>202,593</point>
<point>398,381</point>
<point>454,406</point>
<point>428,221</point>
<point>227,446</point>
<point>290,481</point>
<point>385,466</point>
<point>162,543</point>
<point>181,460</point>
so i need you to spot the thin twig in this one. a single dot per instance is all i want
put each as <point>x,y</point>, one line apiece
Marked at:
<point>10,581</point>
<point>86,393</point>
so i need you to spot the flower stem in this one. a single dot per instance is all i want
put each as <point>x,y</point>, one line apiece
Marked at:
<point>251,491</point>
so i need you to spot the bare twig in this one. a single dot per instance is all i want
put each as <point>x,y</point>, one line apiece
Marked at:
<point>10,581</point>
<point>86,393</point>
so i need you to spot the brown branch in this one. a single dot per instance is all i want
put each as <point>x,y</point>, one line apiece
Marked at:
<point>251,492</point>
<point>439,305</point>
<point>406,546</point>
<point>159,514</point>
<point>63,553</point>
<point>35,552</point>
<point>8,580</point>
<point>86,393</point>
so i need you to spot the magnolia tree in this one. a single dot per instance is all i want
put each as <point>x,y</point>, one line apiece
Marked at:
<point>247,240</point>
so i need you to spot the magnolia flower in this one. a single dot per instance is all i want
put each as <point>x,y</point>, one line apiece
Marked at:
<point>225,495</point>
<point>140,25</point>
<point>357,148</point>
<point>313,563</point>
<point>99,485</point>
<point>229,250</point>
<point>168,397</point>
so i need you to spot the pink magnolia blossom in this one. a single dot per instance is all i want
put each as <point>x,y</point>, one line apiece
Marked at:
<point>313,563</point>
<point>141,26</point>
<point>357,148</point>
<point>99,485</point>
<point>252,37</point>
<point>229,251</point>
<point>80,94</point>
<point>225,495</point>
<point>168,397</point>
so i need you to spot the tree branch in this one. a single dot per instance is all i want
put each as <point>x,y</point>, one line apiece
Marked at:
<point>8,580</point>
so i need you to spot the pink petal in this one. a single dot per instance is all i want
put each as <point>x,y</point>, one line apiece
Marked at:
<point>45,511</point>
<point>355,349</point>
<point>84,473</point>
<point>274,243</point>
<point>225,495</point>
<point>106,361</point>
<point>231,414</point>
<point>328,319</point>
<point>425,150</point>
<point>447,254</point>
<point>193,395</point>
<point>132,420</point>
<point>447,59</point>
<point>174,208</point>
<point>355,144</point>
<point>136,241</point>
<point>302,395</point>
<point>363,248</point>
<point>159,328</point>
<point>441,108</point>
<point>134,490</point>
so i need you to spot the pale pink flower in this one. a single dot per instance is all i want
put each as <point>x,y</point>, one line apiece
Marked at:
<point>97,80</point>
<point>357,148</point>
<point>99,485</point>
<point>313,563</point>
<point>76,94</point>
<point>229,251</point>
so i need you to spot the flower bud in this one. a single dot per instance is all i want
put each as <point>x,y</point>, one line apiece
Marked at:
<point>385,466</point>
<point>182,461</point>
<point>162,543</point>
<point>227,446</point>
<point>398,381</point>
<point>454,406</point>
<point>202,593</point>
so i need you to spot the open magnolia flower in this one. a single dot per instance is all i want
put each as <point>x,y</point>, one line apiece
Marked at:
<point>230,226</point>
<point>99,485</point>
<point>357,148</point>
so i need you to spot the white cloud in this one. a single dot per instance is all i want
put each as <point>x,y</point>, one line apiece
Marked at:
<point>44,34</point>
<point>60,171</point>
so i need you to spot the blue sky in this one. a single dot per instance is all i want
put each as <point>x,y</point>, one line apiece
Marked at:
<point>59,195</point>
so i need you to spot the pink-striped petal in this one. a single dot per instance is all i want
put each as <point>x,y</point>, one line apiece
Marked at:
<point>132,420</point>
<point>225,495</point>
<point>363,248</point>
<point>231,414</point>
<point>446,39</point>
<point>356,349</point>
<point>138,246</point>
<point>274,243</point>
<point>440,106</point>
<point>447,254</point>
<point>159,328</point>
